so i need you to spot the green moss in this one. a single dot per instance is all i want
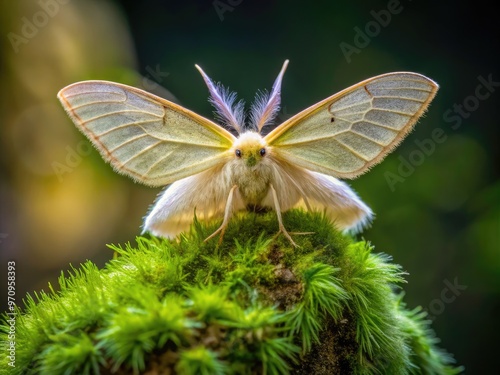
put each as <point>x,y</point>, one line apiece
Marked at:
<point>252,305</point>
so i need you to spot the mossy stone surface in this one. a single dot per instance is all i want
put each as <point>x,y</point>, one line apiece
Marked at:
<point>251,305</point>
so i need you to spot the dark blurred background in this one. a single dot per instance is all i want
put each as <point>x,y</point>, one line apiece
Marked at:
<point>436,199</point>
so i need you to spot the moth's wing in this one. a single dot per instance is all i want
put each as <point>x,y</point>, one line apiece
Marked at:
<point>349,132</point>
<point>337,201</point>
<point>148,138</point>
<point>299,188</point>
<point>205,194</point>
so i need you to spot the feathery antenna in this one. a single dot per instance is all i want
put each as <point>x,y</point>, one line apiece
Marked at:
<point>224,103</point>
<point>266,106</point>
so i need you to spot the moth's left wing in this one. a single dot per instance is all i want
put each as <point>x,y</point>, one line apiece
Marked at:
<point>353,130</point>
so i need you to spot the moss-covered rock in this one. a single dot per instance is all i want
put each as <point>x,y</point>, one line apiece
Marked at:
<point>252,305</point>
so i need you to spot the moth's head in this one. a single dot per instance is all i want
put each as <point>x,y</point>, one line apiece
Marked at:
<point>250,148</point>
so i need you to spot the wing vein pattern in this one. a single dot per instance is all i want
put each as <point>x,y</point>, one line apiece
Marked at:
<point>143,136</point>
<point>348,133</point>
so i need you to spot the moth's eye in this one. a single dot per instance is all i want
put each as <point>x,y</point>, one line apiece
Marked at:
<point>238,153</point>
<point>262,151</point>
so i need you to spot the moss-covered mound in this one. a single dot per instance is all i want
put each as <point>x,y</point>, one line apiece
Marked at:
<point>253,305</point>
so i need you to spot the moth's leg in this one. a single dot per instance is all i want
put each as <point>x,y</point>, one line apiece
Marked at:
<point>227,216</point>
<point>278,213</point>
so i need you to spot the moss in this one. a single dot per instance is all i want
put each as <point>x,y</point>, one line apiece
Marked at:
<point>252,305</point>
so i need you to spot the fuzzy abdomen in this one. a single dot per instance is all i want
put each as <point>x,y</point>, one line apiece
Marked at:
<point>253,182</point>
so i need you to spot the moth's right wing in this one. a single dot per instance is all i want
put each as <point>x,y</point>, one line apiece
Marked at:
<point>143,136</point>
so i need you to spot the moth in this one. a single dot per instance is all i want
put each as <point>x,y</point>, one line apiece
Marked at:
<point>215,173</point>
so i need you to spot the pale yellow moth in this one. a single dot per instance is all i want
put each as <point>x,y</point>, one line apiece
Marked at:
<point>215,174</point>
